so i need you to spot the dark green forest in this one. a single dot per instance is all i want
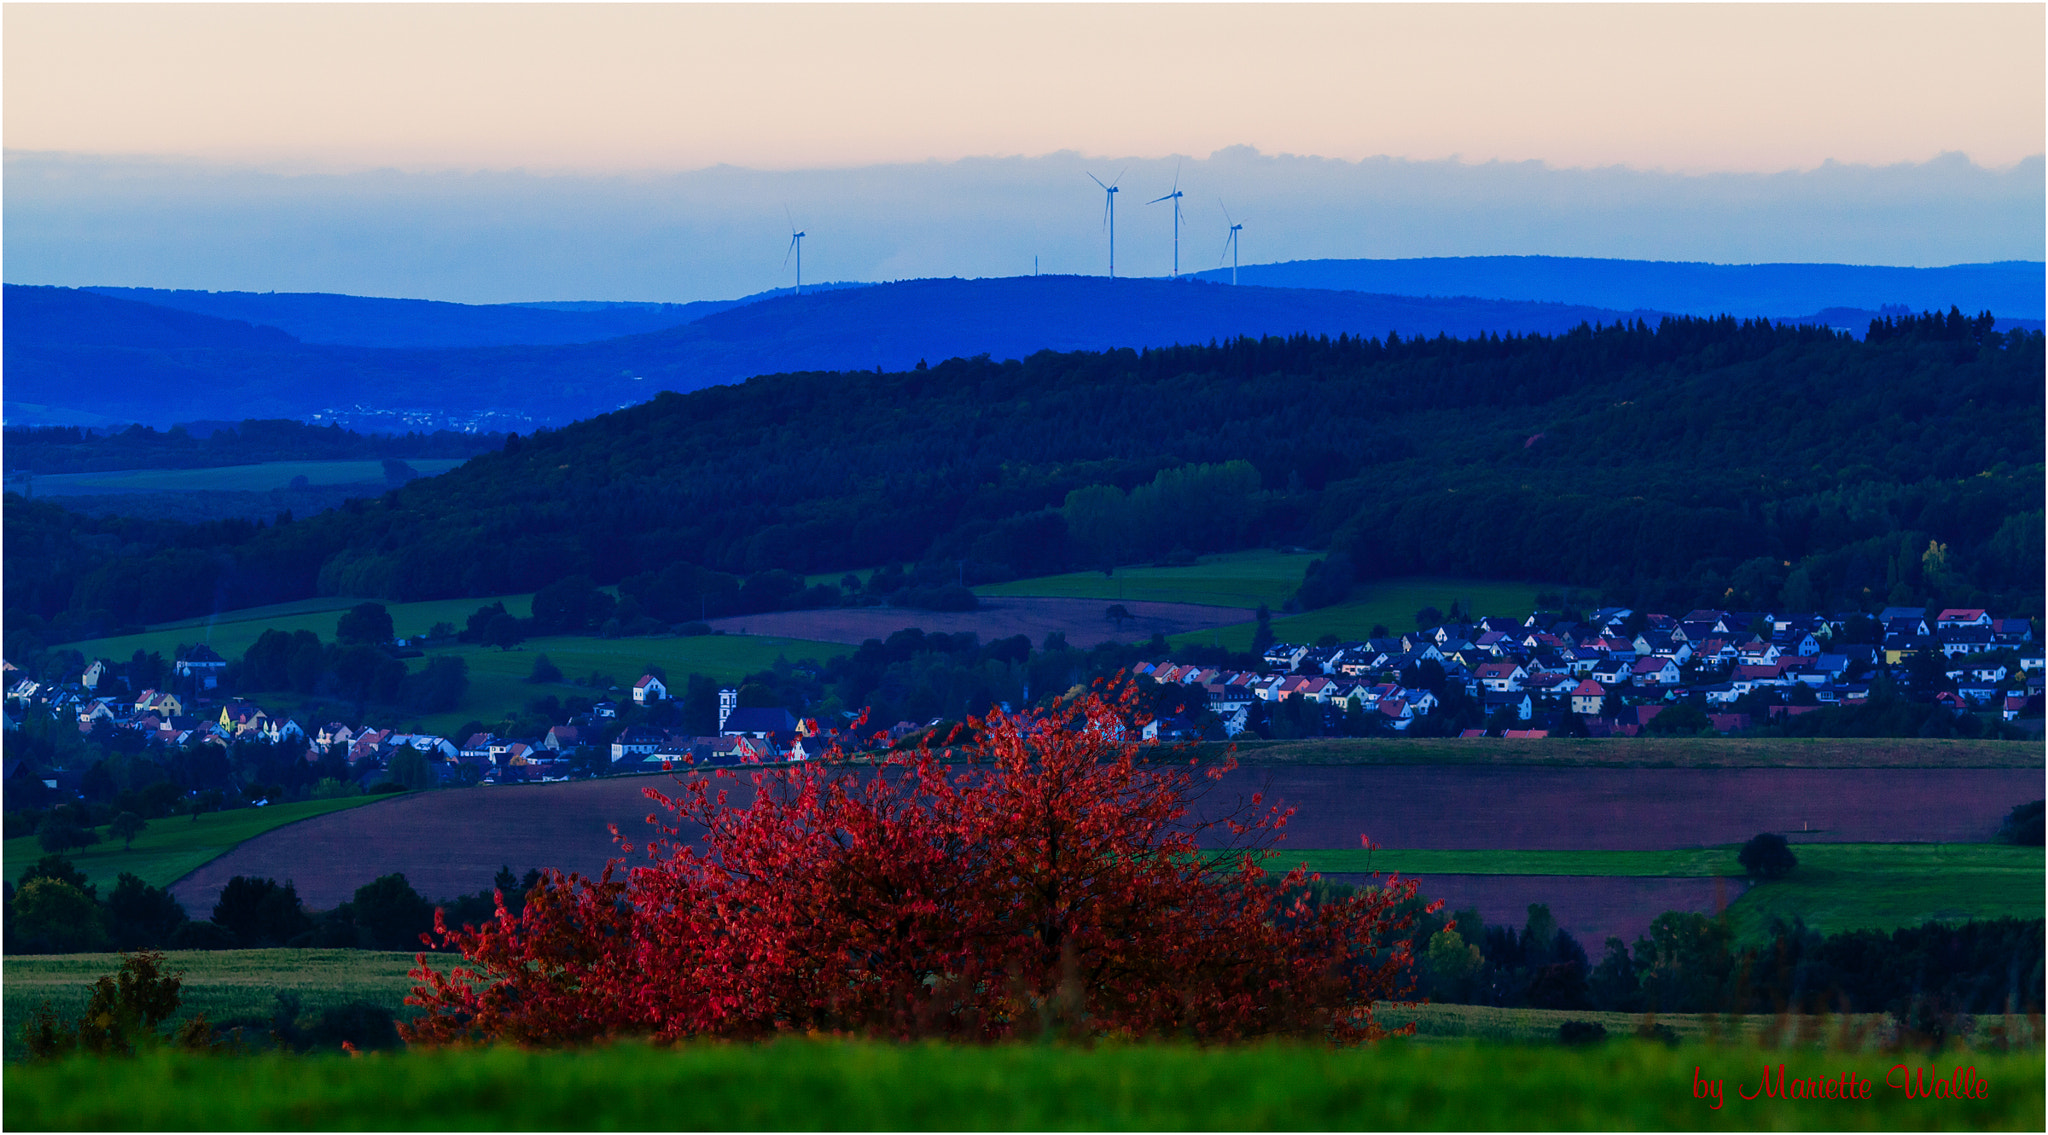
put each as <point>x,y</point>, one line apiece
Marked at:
<point>1701,461</point>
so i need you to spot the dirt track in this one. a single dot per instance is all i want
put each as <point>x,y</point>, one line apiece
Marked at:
<point>1082,620</point>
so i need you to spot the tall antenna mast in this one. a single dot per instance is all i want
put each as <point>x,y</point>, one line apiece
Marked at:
<point>1109,216</point>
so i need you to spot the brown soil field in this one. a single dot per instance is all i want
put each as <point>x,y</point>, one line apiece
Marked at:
<point>450,842</point>
<point>1080,619</point>
<point>1594,908</point>
<point>1648,752</point>
<point>1535,809</point>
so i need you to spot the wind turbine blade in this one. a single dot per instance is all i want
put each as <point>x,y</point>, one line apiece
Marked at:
<point>1120,175</point>
<point>1157,200</point>
<point>790,252</point>
<point>1097,180</point>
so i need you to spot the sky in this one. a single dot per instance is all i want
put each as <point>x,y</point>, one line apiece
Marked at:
<point>487,153</point>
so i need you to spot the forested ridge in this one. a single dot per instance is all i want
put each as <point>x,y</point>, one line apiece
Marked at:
<point>1698,461</point>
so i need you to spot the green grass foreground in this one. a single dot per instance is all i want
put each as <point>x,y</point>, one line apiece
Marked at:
<point>175,846</point>
<point>802,1085</point>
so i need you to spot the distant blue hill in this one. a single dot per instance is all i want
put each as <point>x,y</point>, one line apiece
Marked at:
<point>72,352</point>
<point>84,356</point>
<point>370,321</point>
<point>2013,288</point>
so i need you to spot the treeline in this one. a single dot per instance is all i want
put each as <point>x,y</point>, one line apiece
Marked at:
<point>199,445</point>
<point>1925,976</point>
<point>1702,461</point>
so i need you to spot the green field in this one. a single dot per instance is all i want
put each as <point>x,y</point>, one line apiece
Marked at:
<point>497,683</point>
<point>497,678</point>
<point>174,847</point>
<point>1840,887</point>
<point>1643,752</point>
<point>846,1085</point>
<point>218,983</point>
<point>258,477</point>
<point>1837,886</point>
<point>232,632</point>
<point>1389,603</point>
<point>1234,579</point>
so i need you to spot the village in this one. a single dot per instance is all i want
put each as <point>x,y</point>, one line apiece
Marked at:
<point>1611,673</point>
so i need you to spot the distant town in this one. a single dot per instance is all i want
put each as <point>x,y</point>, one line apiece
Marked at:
<point>1612,673</point>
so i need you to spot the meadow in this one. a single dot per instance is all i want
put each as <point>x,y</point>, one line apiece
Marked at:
<point>1248,579</point>
<point>852,1085</point>
<point>1836,887</point>
<point>497,678</point>
<point>175,846</point>
<point>498,685</point>
<point>256,477</point>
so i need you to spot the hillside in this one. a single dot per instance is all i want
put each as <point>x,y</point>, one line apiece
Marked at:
<point>76,351</point>
<point>369,321</point>
<point>2009,289</point>
<point>1744,465</point>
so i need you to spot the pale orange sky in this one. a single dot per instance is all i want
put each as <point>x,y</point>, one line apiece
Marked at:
<point>1692,88</point>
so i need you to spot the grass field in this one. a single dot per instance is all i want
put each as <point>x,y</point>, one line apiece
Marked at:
<point>1234,579</point>
<point>809,1085</point>
<point>1645,752</point>
<point>497,678</point>
<point>1840,887</point>
<point>246,478</point>
<point>232,632</point>
<point>1389,603</point>
<point>497,683</point>
<point>218,983</point>
<point>1837,886</point>
<point>173,847</point>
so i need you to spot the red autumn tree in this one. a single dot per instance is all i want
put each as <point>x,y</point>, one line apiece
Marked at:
<point>1038,874</point>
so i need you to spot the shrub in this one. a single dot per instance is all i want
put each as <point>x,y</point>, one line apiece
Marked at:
<point>125,1009</point>
<point>1767,856</point>
<point>1043,878</point>
<point>1575,1033</point>
<point>2022,826</point>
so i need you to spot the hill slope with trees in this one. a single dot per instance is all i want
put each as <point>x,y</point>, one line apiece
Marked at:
<point>1699,462</point>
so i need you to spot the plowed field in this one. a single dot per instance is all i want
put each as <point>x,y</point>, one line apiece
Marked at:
<point>451,842</point>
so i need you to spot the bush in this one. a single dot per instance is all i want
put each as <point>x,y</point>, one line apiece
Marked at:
<point>2022,826</point>
<point>1575,1033</point>
<point>1767,856</point>
<point>1040,877</point>
<point>202,936</point>
<point>260,912</point>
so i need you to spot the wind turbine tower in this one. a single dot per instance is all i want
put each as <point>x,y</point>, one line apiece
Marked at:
<point>1230,242</point>
<point>1109,216</point>
<point>1175,198</point>
<point>796,249</point>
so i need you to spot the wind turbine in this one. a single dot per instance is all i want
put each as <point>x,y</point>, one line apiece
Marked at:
<point>1230,242</point>
<point>1175,198</point>
<point>796,249</point>
<point>1109,216</point>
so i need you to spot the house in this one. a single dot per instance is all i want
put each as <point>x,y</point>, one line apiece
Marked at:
<point>2012,632</point>
<point>757,723</point>
<point>1962,617</point>
<point>1611,672</point>
<point>1516,701</point>
<point>1960,641</point>
<point>1654,672</point>
<point>636,741</point>
<point>649,689</point>
<point>2015,704</point>
<point>1502,677</point>
<point>201,664</point>
<point>562,738</point>
<point>1587,698</point>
